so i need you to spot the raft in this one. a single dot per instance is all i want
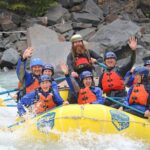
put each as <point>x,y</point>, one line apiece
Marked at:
<point>93,118</point>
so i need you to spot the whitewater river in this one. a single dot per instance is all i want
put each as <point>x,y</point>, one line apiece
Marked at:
<point>89,141</point>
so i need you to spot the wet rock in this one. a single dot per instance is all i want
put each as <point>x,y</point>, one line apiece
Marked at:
<point>146,40</point>
<point>8,25</point>
<point>79,25</point>
<point>87,33</point>
<point>56,14</point>
<point>141,53</point>
<point>10,56</point>
<point>70,3</point>
<point>13,37</point>
<point>2,47</point>
<point>145,6</point>
<point>40,35</point>
<point>21,46</point>
<point>39,20</point>
<point>95,46</point>
<point>62,28</point>
<point>53,54</point>
<point>76,8</point>
<point>68,34</point>
<point>86,18</point>
<point>92,8</point>
<point>116,34</point>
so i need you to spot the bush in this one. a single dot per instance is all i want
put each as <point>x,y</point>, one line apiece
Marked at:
<point>30,7</point>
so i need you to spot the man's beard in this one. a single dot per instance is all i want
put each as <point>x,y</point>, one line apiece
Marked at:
<point>79,49</point>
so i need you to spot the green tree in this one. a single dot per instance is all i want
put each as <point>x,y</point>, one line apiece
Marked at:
<point>30,7</point>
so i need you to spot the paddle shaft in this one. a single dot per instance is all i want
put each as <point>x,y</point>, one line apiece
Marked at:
<point>102,65</point>
<point>59,78</point>
<point>8,91</point>
<point>129,107</point>
<point>8,105</point>
<point>16,89</point>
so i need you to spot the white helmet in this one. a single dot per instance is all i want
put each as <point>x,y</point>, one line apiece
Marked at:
<point>76,37</point>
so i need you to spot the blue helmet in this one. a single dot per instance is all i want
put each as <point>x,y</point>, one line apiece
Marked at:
<point>85,74</point>
<point>141,70</point>
<point>48,67</point>
<point>36,62</point>
<point>147,62</point>
<point>45,78</point>
<point>110,55</point>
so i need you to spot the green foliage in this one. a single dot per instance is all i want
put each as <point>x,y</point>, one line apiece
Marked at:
<point>30,7</point>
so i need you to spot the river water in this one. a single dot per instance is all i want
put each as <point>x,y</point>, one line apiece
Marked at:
<point>88,141</point>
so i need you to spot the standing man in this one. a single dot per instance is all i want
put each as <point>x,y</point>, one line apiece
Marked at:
<point>81,59</point>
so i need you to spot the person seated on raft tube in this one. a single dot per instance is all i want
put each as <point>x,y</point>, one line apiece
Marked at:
<point>80,58</point>
<point>139,93</point>
<point>129,77</point>
<point>29,81</point>
<point>87,94</point>
<point>41,99</point>
<point>111,80</point>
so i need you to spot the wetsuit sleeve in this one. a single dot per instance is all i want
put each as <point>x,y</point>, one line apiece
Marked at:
<point>70,62</point>
<point>125,68</point>
<point>100,81</point>
<point>26,101</point>
<point>96,56</point>
<point>98,92</point>
<point>54,85</point>
<point>57,98</point>
<point>129,78</point>
<point>126,102</point>
<point>71,86</point>
<point>22,74</point>
<point>148,89</point>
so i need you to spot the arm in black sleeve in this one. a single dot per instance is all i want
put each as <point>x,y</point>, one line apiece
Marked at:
<point>100,81</point>
<point>125,68</point>
<point>95,56</point>
<point>70,62</point>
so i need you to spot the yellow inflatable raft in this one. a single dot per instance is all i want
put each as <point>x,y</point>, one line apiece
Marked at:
<point>95,118</point>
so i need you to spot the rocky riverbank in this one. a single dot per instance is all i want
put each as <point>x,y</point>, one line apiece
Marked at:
<point>104,24</point>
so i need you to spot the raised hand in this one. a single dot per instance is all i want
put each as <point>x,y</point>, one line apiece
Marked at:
<point>132,43</point>
<point>93,60</point>
<point>74,74</point>
<point>27,53</point>
<point>64,68</point>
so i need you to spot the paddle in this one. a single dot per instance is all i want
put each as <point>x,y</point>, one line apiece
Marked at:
<point>129,107</point>
<point>9,91</point>
<point>102,65</point>
<point>9,105</point>
<point>59,78</point>
<point>5,100</point>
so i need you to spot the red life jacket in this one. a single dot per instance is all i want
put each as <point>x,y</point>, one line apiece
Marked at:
<point>112,81</point>
<point>86,96</point>
<point>81,61</point>
<point>139,95</point>
<point>33,86</point>
<point>44,103</point>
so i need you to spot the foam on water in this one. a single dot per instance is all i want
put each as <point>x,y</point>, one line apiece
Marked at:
<point>69,141</point>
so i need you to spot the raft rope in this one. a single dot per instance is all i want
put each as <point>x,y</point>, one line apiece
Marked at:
<point>84,117</point>
<point>101,120</point>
